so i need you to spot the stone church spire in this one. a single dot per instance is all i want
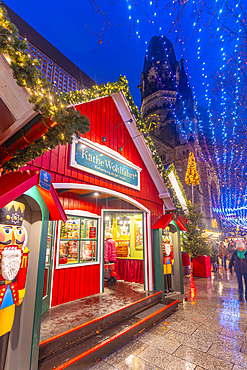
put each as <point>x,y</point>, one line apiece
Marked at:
<point>168,109</point>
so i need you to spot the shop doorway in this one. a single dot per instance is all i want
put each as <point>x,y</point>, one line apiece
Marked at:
<point>127,230</point>
<point>48,266</point>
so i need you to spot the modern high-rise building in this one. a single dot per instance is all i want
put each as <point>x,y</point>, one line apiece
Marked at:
<point>55,66</point>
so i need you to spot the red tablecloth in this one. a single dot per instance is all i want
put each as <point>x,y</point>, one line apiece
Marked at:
<point>130,270</point>
<point>202,266</point>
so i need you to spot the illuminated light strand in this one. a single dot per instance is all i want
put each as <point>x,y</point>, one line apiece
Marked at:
<point>225,161</point>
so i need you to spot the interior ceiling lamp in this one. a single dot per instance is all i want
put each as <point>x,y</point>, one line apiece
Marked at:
<point>120,148</point>
<point>104,137</point>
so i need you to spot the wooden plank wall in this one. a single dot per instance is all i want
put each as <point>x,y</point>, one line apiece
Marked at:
<point>77,282</point>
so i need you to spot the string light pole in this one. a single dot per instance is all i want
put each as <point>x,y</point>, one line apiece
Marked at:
<point>192,177</point>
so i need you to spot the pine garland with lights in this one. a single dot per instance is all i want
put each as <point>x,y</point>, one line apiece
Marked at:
<point>45,99</point>
<point>192,176</point>
<point>54,106</point>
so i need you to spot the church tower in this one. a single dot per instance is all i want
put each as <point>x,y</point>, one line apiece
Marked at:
<point>168,109</point>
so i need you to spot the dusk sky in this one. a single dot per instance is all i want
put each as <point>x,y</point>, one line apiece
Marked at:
<point>65,24</point>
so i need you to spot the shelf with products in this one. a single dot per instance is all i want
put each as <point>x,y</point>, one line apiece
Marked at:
<point>127,231</point>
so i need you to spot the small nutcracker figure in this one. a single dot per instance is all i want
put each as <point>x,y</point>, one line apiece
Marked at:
<point>13,269</point>
<point>168,260</point>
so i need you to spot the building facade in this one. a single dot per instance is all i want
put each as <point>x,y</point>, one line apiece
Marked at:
<point>169,111</point>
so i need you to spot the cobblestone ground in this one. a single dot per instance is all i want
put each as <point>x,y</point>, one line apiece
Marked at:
<point>207,331</point>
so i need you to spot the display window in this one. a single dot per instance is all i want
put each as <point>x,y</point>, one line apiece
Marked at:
<point>78,241</point>
<point>127,231</point>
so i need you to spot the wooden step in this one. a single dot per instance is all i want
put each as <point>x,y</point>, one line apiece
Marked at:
<point>86,349</point>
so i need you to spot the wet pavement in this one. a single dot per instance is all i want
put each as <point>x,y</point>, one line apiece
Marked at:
<point>66,316</point>
<point>207,331</point>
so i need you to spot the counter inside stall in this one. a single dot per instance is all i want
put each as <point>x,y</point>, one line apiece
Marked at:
<point>127,232</point>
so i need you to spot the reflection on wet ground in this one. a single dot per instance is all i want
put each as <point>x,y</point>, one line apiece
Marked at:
<point>66,316</point>
<point>207,331</point>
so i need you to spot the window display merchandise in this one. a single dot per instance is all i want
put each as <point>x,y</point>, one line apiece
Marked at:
<point>78,240</point>
<point>14,261</point>
<point>127,232</point>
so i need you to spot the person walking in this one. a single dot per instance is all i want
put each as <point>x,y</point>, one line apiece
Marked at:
<point>231,248</point>
<point>111,256</point>
<point>223,254</point>
<point>239,261</point>
<point>215,257</point>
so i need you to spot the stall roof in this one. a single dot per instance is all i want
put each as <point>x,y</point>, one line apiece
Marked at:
<point>165,220</point>
<point>14,184</point>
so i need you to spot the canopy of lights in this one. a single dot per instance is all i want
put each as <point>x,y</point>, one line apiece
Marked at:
<point>210,36</point>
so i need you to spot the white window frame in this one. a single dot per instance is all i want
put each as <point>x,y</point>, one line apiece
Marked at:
<point>79,213</point>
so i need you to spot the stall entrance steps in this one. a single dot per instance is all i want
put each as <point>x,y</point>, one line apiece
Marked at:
<point>83,345</point>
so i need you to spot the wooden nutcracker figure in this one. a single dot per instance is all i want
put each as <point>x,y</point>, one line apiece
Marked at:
<point>168,260</point>
<point>13,269</point>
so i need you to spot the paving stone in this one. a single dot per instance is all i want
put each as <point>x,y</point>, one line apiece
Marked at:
<point>158,342</point>
<point>219,339</point>
<point>133,363</point>
<point>204,360</point>
<point>164,360</point>
<point>229,355</point>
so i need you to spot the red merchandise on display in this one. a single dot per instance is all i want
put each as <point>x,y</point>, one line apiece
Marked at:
<point>92,232</point>
<point>202,266</point>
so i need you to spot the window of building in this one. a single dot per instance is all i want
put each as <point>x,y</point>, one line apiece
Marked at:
<point>78,242</point>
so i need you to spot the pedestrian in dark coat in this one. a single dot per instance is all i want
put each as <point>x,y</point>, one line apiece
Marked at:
<point>223,254</point>
<point>239,261</point>
<point>215,257</point>
<point>231,247</point>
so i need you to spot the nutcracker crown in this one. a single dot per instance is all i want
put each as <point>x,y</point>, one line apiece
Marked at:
<point>12,214</point>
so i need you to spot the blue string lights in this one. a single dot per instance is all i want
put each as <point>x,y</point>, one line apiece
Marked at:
<point>216,38</point>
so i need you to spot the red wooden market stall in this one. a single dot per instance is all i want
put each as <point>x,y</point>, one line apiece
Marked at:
<point>107,183</point>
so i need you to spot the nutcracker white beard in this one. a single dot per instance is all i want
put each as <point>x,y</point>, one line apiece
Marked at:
<point>10,265</point>
<point>167,249</point>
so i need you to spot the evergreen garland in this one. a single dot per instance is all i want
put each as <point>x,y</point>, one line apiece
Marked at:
<point>54,106</point>
<point>45,99</point>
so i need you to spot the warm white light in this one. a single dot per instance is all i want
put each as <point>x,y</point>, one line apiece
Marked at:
<point>177,189</point>
<point>96,194</point>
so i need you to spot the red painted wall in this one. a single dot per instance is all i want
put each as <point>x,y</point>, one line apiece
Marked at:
<point>77,282</point>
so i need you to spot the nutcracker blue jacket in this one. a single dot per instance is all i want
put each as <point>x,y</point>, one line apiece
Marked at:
<point>240,265</point>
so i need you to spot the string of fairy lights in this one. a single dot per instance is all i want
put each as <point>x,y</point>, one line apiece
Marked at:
<point>223,111</point>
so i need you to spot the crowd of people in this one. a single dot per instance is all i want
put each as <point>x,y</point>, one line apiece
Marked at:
<point>236,253</point>
<point>222,251</point>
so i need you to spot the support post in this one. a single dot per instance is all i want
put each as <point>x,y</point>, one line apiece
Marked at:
<point>192,194</point>
<point>158,261</point>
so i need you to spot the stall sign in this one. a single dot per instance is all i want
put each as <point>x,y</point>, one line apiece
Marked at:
<point>104,162</point>
<point>92,232</point>
<point>45,180</point>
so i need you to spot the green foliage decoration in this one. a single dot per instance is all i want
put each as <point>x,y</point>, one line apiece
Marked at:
<point>54,106</point>
<point>46,101</point>
<point>194,241</point>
